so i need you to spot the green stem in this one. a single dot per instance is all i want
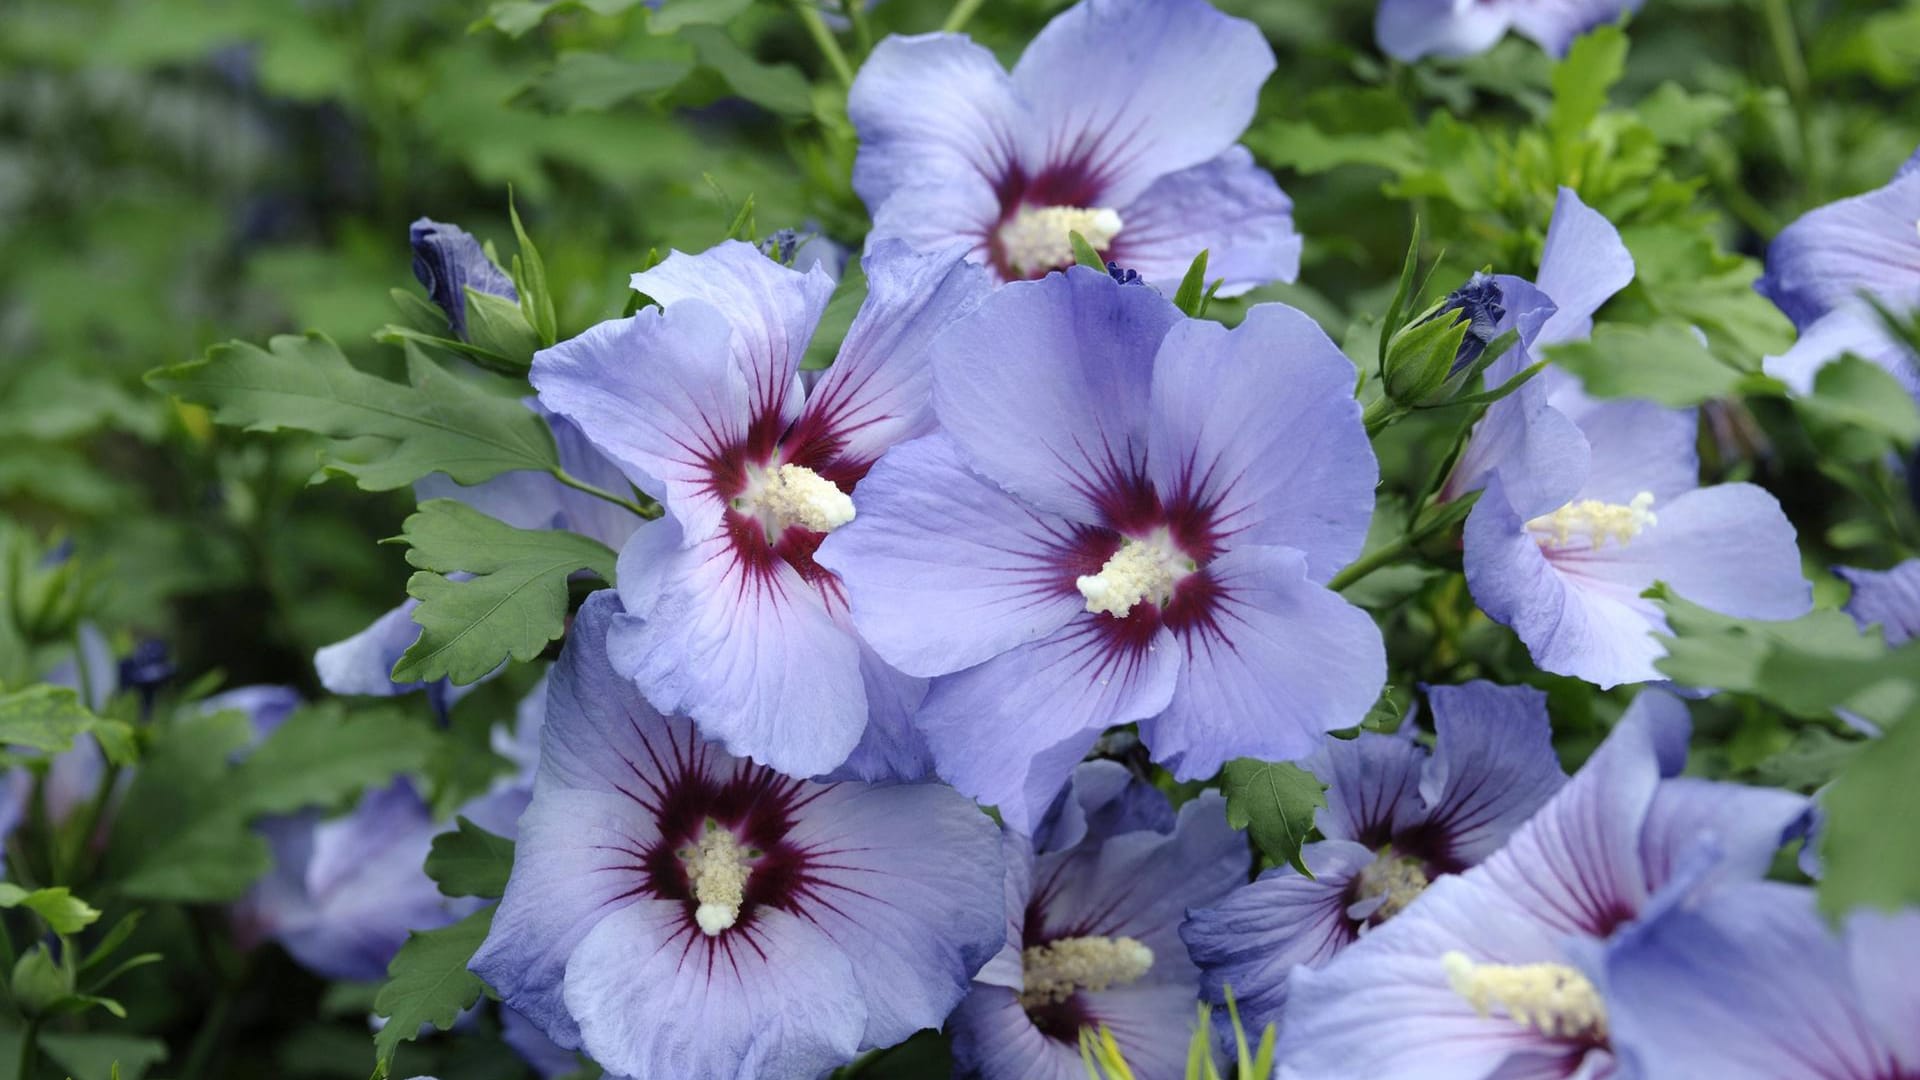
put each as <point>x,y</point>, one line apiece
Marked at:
<point>1384,555</point>
<point>207,1040</point>
<point>90,824</point>
<point>1793,72</point>
<point>1381,412</point>
<point>862,29</point>
<point>962,12</point>
<point>823,37</point>
<point>29,1043</point>
<point>578,484</point>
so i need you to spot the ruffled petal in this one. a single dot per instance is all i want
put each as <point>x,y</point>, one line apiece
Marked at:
<point>1539,453</point>
<point>943,570</point>
<point>1251,941</point>
<point>751,653</point>
<point>995,1039</point>
<point>363,663</point>
<point>1255,431</point>
<point>653,997</point>
<point>1103,799</point>
<point>771,309</point>
<point>1373,787</point>
<point>1883,952</point>
<point>658,394</point>
<point>877,393</point>
<point>1851,327</point>
<point>1009,732</point>
<point>1597,630</point>
<point>932,105</point>
<point>1745,826</point>
<point>952,213</point>
<point>891,747</point>
<point>1493,766</point>
<point>1749,984</point>
<point>1274,661</point>
<point>1045,388</point>
<point>1832,254</point>
<point>908,880</point>
<point>1408,30</point>
<point>1191,78</point>
<point>1229,207</point>
<point>1889,599</point>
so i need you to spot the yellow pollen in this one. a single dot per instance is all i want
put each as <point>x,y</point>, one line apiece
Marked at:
<point>1595,521</point>
<point>1056,970</point>
<point>1399,878</point>
<point>718,869</point>
<point>796,495</point>
<point>1553,999</point>
<point>1140,570</point>
<point>1036,238</point>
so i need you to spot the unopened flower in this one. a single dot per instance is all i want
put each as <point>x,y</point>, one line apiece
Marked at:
<point>1127,516</point>
<point>1489,973</point>
<point>1397,819</point>
<point>675,911</point>
<point>1118,123</point>
<point>1094,900</point>
<point>447,260</point>
<point>727,616</point>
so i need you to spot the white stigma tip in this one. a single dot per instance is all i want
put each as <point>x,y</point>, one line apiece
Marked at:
<point>1140,570</point>
<point>1054,972</point>
<point>1553,999</point>
<point>1038,236</point>
<point>796,495</point>
<point>717,870</point>
<point>1595,521</point>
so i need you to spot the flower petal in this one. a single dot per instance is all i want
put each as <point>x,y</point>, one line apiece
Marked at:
<point>1408,30</point>
<point>1252,939</point>
<point>1832,254</point>
<point>932,105</point>
<point>1745,825</point>
<point>1540,454</point>
<point>1493,765</point>
<point>955,212</point>
<point>1883,952</point>
<point>656,998</point>
<point>942,569</point>
<point>1255,432</point>
<point>658,394</point>
<point>1151,1022</point>
<point>891,747</point>
<point>1853,327</point>
<point>1555,23</point>
<point>1230,208</point>
<point>751,653</point>
<point>877,393</point>
<point>1275,661</point>
<point>995,1039</point>
<point>771,309</point>
<point>1009,731</point>
<point>363,663</point>
<point>1748,984</point>
<point>908,880</point>
<point>1634,446</point>
<point>1373,787</point>
<point>1584,262</point>
<point>1103,799</point>
<point>1889,599</point>
<point>1045,389</point>
<point>1192,78</point>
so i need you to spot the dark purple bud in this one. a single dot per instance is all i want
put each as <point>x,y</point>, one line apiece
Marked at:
<point>1480,303</point>
<point>1123,275</point>
<point>447,259</point>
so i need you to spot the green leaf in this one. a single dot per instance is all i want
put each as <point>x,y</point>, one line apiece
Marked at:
<point>1664,363</point>
<point>530,279</point>
<point>1873,827</point>
<point>428,983</point>
<point>1580,83</point>
<point>1084,253</point>
<point>1808,666</point>
<point>39,982</point>
<point>385,434</point>
<point>592,81</point>
<point>470,861</point>
<point>1193,287</point>
<point>64,912</point>
<point>515,603</point>
<point>675,15</point>
<point>97,1056</point>
<point>324,754</point>
<point>1859,393</point>
<point>48,718</point>
<point>1274,802</point>
<point>182,833</point>
<point>1679,118</point>
<point>779,88</point>
<point>1306,148</point>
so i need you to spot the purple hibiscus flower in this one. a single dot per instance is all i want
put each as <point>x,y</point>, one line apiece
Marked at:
<point>1410,29</point>
<point>675,911</point>
<point>1093,902</point>
<point>1819,267</point>
<point>1127,516</point>
<point>1751,983</point>
<point>727,617</point>
<point>1118,122</point>
<point>1588,503</point>
<point>447,259</point>
<point>1483,976</point>
<point>1397,818</point>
